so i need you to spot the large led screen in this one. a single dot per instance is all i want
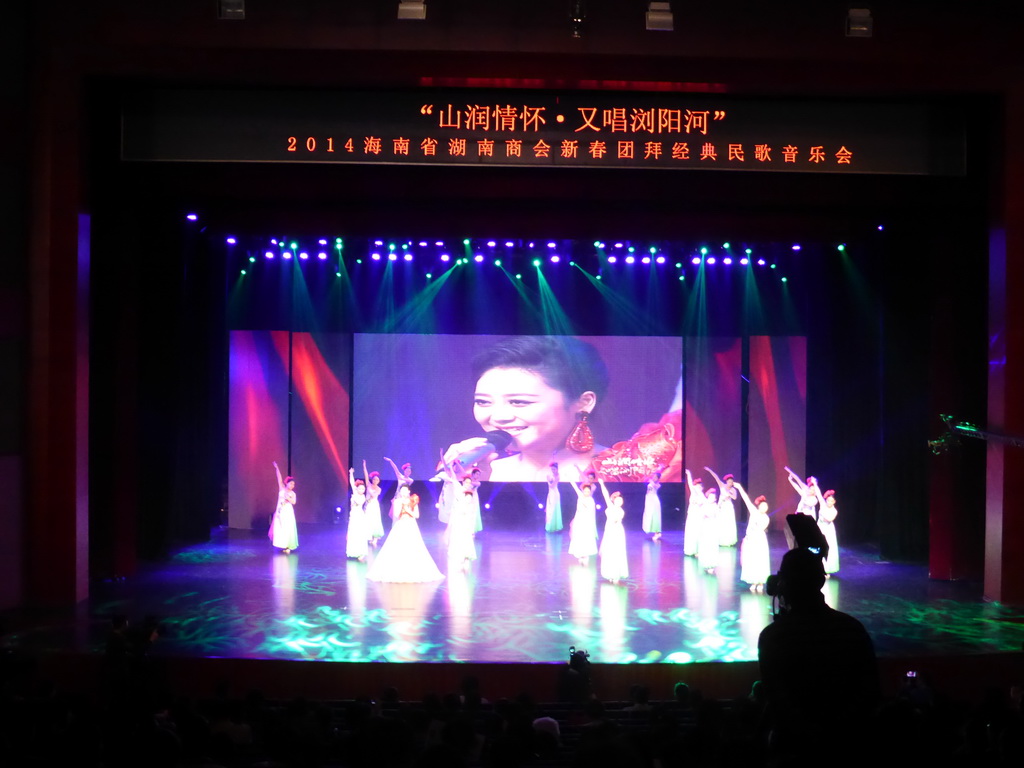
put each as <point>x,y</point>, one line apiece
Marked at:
<point>612,404</point>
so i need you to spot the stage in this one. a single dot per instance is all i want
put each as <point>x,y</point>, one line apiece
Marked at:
<point>525,601</point>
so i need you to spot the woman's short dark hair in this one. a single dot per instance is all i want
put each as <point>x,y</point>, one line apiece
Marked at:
<point>565,363</point>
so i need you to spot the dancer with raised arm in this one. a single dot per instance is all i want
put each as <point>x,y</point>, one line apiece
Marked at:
<point>808,504</point>
<point>461,523</point>
<point>726,520</point>
<point>553,502</point>
<point>614,563</point>
<point>707,542</point>
<point>357,536</point>
<point>827,526</point>
<point>284,534</point>
<point>374,520</point>
<point>583,528</point>
<point>651,522</point>
<point>450,472</point>
<point>404,557</point>
<point>755,560</point>
<point>694,514</point>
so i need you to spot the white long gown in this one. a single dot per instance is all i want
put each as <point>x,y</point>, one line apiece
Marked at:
<point>583,528</point>
<point>404,557</point>
<point>283,532</point>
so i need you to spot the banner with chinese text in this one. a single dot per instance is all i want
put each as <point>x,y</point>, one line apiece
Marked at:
<point>593,129</point>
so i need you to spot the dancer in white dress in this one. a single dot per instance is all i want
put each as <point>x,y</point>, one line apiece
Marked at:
<point>755,560</point>
<point>449,489</point>
<point>553,503</point>
<point>284,534</point>
<point>404,557</point>
<point>808,504</point>
<point>476,477</point>
<point>357,536</point>
<point>459,534</point>
<point>827,526</point>
<point>614,563</point>
<point>651,522</point>
<point>707,543</point>
<point>374,520</point>
<point>583,528</point>
<point>726,520</point>
<point>694,514</point>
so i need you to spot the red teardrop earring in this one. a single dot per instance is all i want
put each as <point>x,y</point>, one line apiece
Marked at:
<point>581,439</point>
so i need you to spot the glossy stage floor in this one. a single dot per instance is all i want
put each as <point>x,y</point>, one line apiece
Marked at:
<point>525,600</point>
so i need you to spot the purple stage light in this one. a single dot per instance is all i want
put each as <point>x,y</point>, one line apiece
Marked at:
<point>286,255</point>
<point>392,256</point>
<point>408,257</point>
<point>273,241</point>
<point>556,258</point>
<point>269,254</point>
<point>491,243</point>
<point>646,259</point>
<point>378,242</point>
<point>551,245</point>
<point>487,505</point>
<point>445,257</point>
<point>478,258</point>
<point>423,243</point>
<point>612,260</point>
<point>711,259</point>
<point>439,243</point>
<point>881,228</point>
<point>695,260</point>
<point>630,259</point>
<point>744,261</point>
<point>760,262</point>
<point>321,241</point>
<point>375,256</point>
<point>796,247</point>
<point>660,259</point>
<point>321,255</point>
<point>231,241</point>
<point>509,244</point>
<point>192,217</point>
<point>303,255</point>
<point>618,245</point>
<point>727,260</point>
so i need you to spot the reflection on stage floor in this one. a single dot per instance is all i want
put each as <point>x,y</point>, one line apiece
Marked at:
<point>524,600</point>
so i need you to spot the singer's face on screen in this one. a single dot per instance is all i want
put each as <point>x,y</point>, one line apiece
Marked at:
<point>520,402</point>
